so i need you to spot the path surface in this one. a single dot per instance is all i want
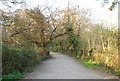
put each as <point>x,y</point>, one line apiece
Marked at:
<point>64,67</point>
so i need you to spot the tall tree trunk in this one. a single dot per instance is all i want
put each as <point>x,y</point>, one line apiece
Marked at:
<point>108,45</point>
<point>103,46</point>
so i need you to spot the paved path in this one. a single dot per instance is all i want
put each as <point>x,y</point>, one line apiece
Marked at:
<point>64,67</point>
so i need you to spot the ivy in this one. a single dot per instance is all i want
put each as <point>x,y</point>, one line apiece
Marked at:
<point>72,38</point>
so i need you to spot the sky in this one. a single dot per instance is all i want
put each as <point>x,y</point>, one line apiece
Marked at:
<point>100,14</point>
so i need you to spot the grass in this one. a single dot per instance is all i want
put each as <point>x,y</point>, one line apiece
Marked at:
<point>14,75</point>
<point>91,64</point>
<point>88,63</point>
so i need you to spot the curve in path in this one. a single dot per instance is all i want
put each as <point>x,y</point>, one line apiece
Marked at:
<point>64,67</point>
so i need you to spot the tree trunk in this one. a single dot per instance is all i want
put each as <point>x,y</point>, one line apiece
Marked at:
<point>108,44</point>
<point>45,51</point>
<point>102,43</point>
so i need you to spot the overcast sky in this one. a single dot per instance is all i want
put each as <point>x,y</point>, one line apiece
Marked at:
<point>99,13</point>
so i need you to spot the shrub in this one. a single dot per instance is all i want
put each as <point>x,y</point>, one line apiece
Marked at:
<point>16,59</point>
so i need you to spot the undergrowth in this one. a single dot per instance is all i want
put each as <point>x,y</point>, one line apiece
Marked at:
<point>17,62</point>
<point>91,64</point>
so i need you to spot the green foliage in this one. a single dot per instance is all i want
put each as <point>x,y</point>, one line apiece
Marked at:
<point>55,50</point>
<point>94,65</point>
<point>78,57</point>
<point>72,38</point>
<point>14,75</point>
<point>90,64</point>
<point>16,59</point>
<point>114,3</point>
<point>117,73</point>
<point>16,62</point>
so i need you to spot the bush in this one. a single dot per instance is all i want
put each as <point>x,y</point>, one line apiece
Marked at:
<point>16,59</point>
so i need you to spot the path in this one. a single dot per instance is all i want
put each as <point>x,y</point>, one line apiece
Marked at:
<point>64,67</point>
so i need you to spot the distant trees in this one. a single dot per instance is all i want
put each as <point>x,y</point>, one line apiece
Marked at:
<point>76,25</point>
<point>87,40</point>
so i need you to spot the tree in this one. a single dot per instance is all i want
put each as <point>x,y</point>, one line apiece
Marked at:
<point>33,26</point>
<point>114,3</point>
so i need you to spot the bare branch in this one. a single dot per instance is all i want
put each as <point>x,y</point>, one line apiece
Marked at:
<point>19,32</point>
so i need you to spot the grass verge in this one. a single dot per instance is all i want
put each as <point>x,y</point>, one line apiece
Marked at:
<point>99,66</point>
